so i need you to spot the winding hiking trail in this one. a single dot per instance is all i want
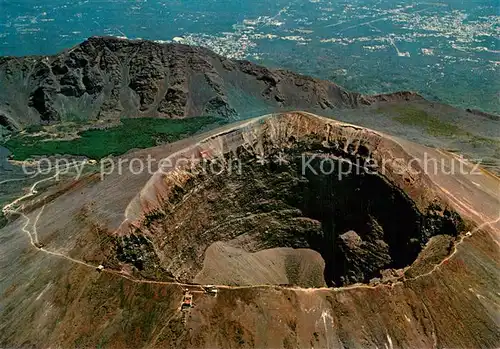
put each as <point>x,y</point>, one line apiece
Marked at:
<point>33,238</point>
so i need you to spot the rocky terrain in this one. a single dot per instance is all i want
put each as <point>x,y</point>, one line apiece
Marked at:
<point>389,255</point>
<point>104,80</point>
<point>360,221</point>
<point>316,232</point>
<point>109,78</point>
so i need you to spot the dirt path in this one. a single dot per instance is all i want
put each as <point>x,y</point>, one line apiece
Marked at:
<point>33,238</point>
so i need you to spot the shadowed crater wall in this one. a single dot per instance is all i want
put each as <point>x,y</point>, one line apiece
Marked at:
<point>304,215</point>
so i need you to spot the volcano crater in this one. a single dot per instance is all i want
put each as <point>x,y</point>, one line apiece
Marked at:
<point>307,213</point>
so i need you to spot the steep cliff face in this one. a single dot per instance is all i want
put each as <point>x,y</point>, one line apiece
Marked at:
<point>300,182</point>
<point>106,78</point>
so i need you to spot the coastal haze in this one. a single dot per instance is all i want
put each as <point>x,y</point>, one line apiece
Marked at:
<point>446,50</point>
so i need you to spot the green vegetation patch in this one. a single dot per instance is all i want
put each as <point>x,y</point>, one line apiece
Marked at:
<point>99,143</point>
<point>409,115</point>
<point>34,128</point>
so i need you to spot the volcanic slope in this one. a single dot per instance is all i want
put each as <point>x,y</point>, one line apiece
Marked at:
<point>412,254</point>
<point>104,79</point>
<point>108,78</point>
